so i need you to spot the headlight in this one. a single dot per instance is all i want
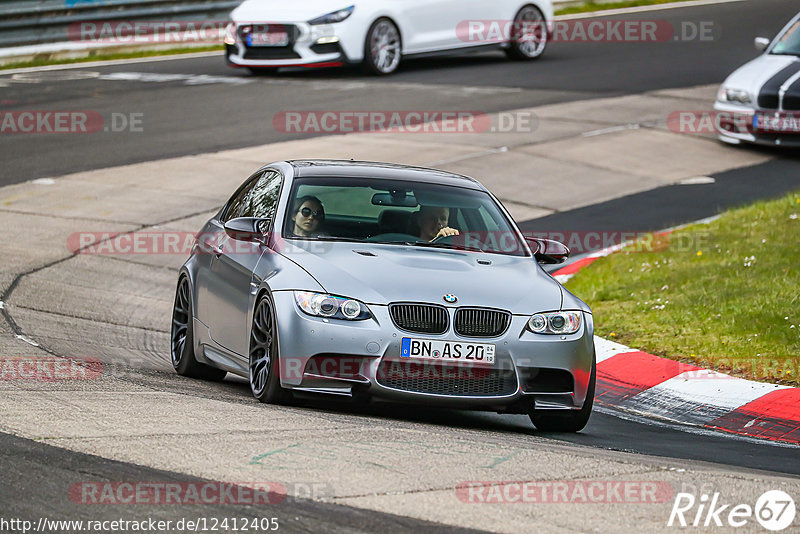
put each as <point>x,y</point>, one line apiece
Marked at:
<point>334,17</point>
<point>230,34</point>
<point>565,322</point>
<point>321,305</point>
<point>737,96</point>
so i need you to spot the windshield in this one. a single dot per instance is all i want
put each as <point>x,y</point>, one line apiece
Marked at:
<point>399,213</point>
<point>789,42</point>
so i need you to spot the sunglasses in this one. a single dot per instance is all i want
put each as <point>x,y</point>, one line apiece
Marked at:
<point>307,212</point>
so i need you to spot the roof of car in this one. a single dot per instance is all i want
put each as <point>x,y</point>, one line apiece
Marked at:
<point>383,171</point>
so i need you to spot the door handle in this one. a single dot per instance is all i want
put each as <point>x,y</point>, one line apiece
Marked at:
<point>217,250</point>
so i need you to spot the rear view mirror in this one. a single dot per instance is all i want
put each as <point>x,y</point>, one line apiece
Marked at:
<point>761,43</point>
<point>398,199</point>
<point>548,251</point>
<point>251,229</point>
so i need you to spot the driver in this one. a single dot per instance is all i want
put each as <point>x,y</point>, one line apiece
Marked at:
<point>433,223</point>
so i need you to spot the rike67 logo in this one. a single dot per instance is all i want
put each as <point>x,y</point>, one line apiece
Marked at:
<point>774,510</point>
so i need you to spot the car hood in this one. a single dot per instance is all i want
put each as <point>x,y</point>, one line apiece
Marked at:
<point>753,75</point>
<point>380,274</point>
<point>282,11</point>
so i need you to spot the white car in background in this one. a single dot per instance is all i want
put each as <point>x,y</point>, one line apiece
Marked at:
<point>269,34</point>
<point>760,102</point>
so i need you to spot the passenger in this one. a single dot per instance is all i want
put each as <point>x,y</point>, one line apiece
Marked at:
<point>433,222</point>
<point>308,217</point>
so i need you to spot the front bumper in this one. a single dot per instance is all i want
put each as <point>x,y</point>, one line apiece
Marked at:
<point>303,50</point>
<point>350,358</point>
<point>742,130</point>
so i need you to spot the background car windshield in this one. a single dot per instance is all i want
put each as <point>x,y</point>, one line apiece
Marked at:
<point>383,211</point>
<point>789,42</point>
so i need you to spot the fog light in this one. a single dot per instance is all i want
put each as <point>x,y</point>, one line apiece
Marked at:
<point>327,40</point>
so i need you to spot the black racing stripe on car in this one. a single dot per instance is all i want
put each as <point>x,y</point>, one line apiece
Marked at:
<point>791,100</point>
<point>768,96</point>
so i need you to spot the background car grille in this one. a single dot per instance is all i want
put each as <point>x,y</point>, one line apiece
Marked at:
<point>768,100</point>
<point>422,318</point>
<point>271,52</point>
<point>446,380</point>
<point>268,52</point>
<point>481,322</point>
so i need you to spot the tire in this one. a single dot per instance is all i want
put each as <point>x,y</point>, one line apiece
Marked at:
<point>382,36</point>
<point>182,338</point>
<point>263,361</point>
<point>521,50</point>
<point>574,421</point>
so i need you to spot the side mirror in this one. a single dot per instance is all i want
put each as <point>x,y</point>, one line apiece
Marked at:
<point>252,229</point>
<point>548,251</point>
<point>761,43</point>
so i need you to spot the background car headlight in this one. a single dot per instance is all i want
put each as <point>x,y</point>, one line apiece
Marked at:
<point>322,305</point>
<point>334,17</point>
<point>565,322</point>
<point>737,96</point>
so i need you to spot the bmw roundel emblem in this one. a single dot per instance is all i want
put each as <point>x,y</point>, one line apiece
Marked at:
<point>450,298</point>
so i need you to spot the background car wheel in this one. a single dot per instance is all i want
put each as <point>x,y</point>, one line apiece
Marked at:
<point>573,421</point>
<point>529,35</point>
<point>264,365</point>
<point>383,48</point>
<point>182,338</point>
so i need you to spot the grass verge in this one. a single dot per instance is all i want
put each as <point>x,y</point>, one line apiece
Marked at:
<point>724,295</point>
<point>110,57</point>
<point>588,7</point>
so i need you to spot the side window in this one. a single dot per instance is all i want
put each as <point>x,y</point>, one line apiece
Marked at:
<point>263,198</point>
<point>237,205</point>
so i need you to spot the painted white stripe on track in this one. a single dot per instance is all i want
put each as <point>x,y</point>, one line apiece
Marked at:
<point>698,397</point>
<point>604,348</point>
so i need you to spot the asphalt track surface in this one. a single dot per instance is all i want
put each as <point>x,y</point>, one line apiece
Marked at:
<point>218,116</point>
<point>218,113</point>
<point>46,474</point>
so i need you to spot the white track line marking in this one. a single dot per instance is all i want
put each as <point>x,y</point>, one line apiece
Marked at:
<point>604,348</point>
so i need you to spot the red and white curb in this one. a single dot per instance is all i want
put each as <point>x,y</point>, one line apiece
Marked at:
<point>641,383</point>
<point>645,384</point>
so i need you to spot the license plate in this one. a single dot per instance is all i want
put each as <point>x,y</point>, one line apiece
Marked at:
<point>430,349</point>
<point>275,38</point>
<point>783,123</point>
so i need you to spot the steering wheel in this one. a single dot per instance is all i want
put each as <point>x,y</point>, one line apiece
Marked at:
<point>442,238</point>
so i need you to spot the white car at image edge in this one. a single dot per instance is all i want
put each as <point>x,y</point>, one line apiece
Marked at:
<point>268,34</point>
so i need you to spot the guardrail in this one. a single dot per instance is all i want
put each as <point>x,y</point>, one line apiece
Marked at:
<point>47,21</point>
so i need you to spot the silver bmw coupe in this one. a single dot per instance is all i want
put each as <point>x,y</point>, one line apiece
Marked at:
<point>380,281</point>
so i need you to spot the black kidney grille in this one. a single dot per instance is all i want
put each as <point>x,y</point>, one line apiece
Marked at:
<point>421,318</point>
<point>481,322</point>
<point>441,379</point>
